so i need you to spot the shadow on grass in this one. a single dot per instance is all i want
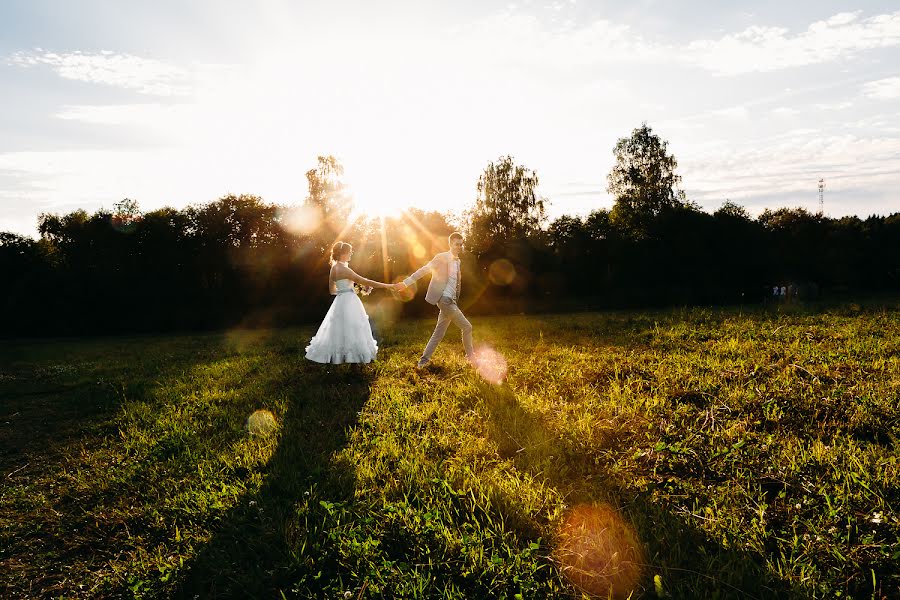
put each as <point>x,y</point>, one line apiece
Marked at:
<point>121,455</point>
<point>258,549</point>
<point>47,402</point>
<point>691,564</point>
<point>58,420</point>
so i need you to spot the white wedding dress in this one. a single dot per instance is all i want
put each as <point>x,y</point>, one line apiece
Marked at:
<point>344,335</point>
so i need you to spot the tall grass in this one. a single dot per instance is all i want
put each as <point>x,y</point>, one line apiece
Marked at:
<point>752,455</point>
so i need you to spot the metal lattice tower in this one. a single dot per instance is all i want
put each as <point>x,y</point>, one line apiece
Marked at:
<point>821,196</point>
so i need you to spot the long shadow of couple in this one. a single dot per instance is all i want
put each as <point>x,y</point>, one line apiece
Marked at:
<point>256,549</point>
<point>262,546</point>
<point>687,560</point>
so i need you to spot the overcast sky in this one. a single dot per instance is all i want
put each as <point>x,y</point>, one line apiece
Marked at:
<point>180,102</point>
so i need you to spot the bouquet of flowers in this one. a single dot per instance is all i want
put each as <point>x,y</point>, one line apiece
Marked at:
<point>362,290</point>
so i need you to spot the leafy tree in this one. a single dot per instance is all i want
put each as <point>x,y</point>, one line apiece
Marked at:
<point>567,236</point>
<point>234,260</point>
<point>244,221</point>
<point>602,247</point>
<point>18,255</point>
<point>789,220</point>
<point>796,244</point>
<point>598,225</point>
<point>126,214</point>
<point>507,207</point>
<point>328,196</point>
<point>643,182</point>
<point>730,210</point>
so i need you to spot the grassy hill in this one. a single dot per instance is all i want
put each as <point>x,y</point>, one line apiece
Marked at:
<point>726,455</point>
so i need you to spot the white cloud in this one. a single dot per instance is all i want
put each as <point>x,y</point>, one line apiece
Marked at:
<point>732,112</point>
<point>708,118</point>
<point>883,89</point>
<point>148,125</point>
<point>833,105</point>
<point>839,19</point>
<point>146,76</point>
<point>64,179</point>
<point>759,49</point>
<point>789,166</point>
<point>785,111</point>
<point>520,38</point>
<point>523,39</point>
<point>122,114</point>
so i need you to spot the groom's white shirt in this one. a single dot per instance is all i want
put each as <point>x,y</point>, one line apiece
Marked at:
<point>440,268</point>
<point>453,276</point>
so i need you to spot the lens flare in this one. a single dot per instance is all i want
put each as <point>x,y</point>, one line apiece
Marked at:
<point>300,220</point>
<point>599,552</point>
<point>502,272</point>
<point>261,422</point>
<point>490,364</point>
<point>249,335</point>
<point>384,312</point>
<point>407,293</point>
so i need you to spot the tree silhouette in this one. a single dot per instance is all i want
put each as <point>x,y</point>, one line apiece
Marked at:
<point>240,261</point>
<point>643,182</point>
<point>328,197</point>
<point>507,207</point>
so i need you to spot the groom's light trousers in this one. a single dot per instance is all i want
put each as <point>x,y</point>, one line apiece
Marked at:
<point>449,313</point>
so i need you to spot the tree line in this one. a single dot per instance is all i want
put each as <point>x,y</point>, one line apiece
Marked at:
<point>242,261</point>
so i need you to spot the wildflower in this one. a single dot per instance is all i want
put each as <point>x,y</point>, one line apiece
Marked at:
<point>876,517</point>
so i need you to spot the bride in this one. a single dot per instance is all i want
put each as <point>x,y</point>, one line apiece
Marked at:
<point>345,335</point>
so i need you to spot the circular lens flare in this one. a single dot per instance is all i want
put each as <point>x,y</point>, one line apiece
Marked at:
<point>384,311</point>
<point>300,220</point>
<point>490,364</point>
<point>407,293</point>
<point>502,272</point>
<point>599,552</point>
<point>261,422</point>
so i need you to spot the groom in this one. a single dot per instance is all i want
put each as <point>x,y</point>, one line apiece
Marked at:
<point>443,292</point>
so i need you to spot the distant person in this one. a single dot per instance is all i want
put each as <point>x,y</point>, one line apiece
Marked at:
<point>781,293</point>
<point>443,292</point>
<point>345,335</point>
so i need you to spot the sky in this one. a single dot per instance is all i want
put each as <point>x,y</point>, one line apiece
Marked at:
<point>179,102</point>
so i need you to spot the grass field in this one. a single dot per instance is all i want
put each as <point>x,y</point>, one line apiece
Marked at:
<point>749,455</point>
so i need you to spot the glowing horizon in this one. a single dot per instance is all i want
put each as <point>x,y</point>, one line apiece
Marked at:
<point>415,101</point>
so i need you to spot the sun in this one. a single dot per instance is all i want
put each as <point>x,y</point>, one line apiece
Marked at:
<point>376,190</point>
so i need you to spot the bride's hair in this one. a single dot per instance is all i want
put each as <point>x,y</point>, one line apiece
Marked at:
<point>338,250</point>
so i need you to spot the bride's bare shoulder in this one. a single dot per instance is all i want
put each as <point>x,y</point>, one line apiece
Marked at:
<point>340,271</point>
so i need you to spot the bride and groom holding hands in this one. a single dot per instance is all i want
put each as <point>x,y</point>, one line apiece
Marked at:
<point>345,335</point>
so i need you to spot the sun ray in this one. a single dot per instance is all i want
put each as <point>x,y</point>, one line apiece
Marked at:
<point>349,225</point>
<point>384,252</point>
<point>432,238</point>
